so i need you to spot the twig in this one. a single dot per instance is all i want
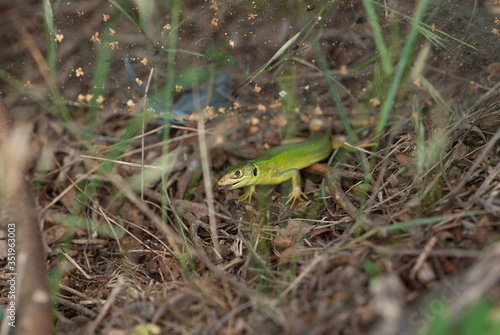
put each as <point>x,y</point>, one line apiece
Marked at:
<point>338,193</point>
<point>111,299</point>
<point>171,235</point>
<point>76,307</point>
<point>423,255</point>
<point>72,261</point>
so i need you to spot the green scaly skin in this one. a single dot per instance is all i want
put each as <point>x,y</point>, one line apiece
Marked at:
<point>277,165</point>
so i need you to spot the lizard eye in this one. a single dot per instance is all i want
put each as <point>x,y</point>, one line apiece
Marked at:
<point>255,172</point>
<point>237,173</point>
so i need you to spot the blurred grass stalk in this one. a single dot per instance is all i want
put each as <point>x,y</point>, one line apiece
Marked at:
<point>99,86</point>
<point>51,45</point>
<point>171,44</point>
<point>401,67</point>
<point>387,94</point>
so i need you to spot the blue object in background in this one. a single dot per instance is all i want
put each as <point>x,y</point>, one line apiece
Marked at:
<point>186,105</point>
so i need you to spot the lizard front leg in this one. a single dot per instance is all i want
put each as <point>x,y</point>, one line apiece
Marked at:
<point>247,194</point>
<point>294,174</point>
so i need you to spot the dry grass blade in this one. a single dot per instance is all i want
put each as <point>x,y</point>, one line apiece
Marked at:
<point>118,287</point>
<point>472,169</point>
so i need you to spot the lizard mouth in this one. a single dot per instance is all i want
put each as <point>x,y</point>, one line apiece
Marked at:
<point>226,187</point>
<point>231,186</point>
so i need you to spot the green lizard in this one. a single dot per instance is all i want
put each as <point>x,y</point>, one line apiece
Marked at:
<point>277,165</point>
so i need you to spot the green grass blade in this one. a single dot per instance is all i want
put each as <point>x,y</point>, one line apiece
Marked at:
<point>278,53</point>
<point>400,70</point>
<point>51,43</point>
<point>171,43</point>
<point>288,43</point>
<point>101,67</point>
<point>385,57</point>
<point>31,93</point>
<point>351,138</point>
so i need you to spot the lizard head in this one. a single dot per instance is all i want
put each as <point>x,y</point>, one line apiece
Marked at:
<point>238,175</point>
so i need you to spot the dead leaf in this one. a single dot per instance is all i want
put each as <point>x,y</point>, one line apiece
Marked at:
<point>54,234</point>
<point>318,231</point>
<point>493,70</point>
<point>288,255</point>
<point>199,210</point>
<point>282,241</point>
<point>401,158</point>
<point>292,234</point>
